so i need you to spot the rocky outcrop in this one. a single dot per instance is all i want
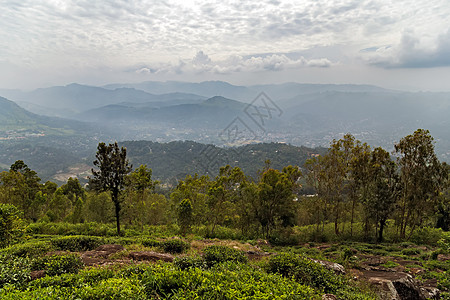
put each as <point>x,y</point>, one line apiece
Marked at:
<point>150,256</point>
<point>398,286</point>
<point>99,255</point>
<point>335,267</point>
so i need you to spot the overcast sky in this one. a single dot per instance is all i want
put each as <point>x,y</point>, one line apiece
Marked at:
<point>395,44</point>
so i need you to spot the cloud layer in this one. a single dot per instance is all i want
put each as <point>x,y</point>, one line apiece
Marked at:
<point>222,37</point>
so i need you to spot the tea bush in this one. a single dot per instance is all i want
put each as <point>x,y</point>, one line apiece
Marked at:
<point>217,254</point>
<point>77,243</point>
<point>58,264</point>
<point>227,281</point>
<point>151,243</point>
<point>175,246</point>
<point>13,270</point>
<point>113,288</point>
<point>304,271</point>
<point>411,251</point>
<point>186,262</point>
<point>29,249</point>
<point>427,236</point>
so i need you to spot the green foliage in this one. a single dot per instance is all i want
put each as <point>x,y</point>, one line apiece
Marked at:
<point>64,228</point>
<point>175,246</point>
<point>77,243</point>
<point>390,264</point>
<point>114,288</point>
<point>185,216</point>
<point>13,270</point>
<point>411,251</point>
<point>304,271</point>
<point>444,242</point>
<point>186,262</point>
<point>224,282</point>
<point>218,254</point>
<point>113,167</point>
<point>150,243</point>
<point>11,224</point>
<point>427,236</point>
<point>58,264</point>
<point>29,249</point>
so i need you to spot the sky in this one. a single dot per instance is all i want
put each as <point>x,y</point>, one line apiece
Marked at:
<point>394,44</point>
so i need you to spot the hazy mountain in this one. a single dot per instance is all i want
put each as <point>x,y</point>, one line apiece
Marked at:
<point>14,117</point>
<point>216,111</point>
<point>64,101</point>
<point>206,88</point>
<point>243,93</point>
<point>11,114</point>
<point>311,114</point>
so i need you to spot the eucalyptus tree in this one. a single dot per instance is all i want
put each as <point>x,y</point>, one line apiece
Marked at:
<point>420,178</point>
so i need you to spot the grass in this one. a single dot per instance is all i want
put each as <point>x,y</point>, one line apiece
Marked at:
<point>167,278</point>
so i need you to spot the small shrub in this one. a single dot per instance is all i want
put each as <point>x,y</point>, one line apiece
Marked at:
<point>347,253</point>
<point>390,264</point>
<point>187,262</point>
<point>113,288</point>
<point>77,243</point>
<point>58,264</point>
<point>218,254</point>
<point>435,253</point>
<point>175,246</point>
<point>13,270</point>
<point>427,236</point>
<point>411,251</point>
<point>151,243</point>
<point>31,249</point>
<point>380,252</point>
<point>444,242</point>
<point>304,271</point>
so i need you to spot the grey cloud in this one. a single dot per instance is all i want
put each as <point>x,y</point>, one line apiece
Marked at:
<point>411,53</point>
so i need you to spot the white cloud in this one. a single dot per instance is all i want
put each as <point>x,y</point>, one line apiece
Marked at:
<point>202,63</point>
<point>164,37</point>
<point>412,51</point>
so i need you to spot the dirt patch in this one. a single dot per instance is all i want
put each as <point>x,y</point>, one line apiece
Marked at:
<point>100,255</point>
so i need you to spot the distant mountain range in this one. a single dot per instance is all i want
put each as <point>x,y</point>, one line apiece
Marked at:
<point>223,114</point>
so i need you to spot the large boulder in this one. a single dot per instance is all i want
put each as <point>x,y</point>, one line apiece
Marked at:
<point>397,286</point>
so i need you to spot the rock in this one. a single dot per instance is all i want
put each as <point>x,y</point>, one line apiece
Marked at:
<point>37,274</point>
<point>329,297</point>
<point>110,248</point>
<point>100,254</point>
<point>375,261</point>
<point>404,287</point>
<point>443,257</point>
<point>335,267</point>
<point>150,256</point>
<point>254,255</point>
<point>431,293</point>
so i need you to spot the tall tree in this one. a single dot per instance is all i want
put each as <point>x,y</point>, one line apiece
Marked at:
<point>113,166</point>
<point>384,189</point>
<point>223,194</point>
<point>20,185</point>
<point>275,199</point>
<point>420,176</point>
